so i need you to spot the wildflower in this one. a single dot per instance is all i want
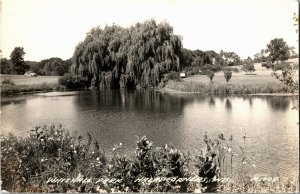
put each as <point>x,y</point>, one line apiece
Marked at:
<point>120,144</point>
<point>229,149</point>
<point>254,165</point>
<point>114,149</point>
<point>97,158</point>
<point>42,160</point>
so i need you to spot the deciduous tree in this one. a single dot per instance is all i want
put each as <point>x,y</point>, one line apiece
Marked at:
<point>17,58</point>
<point>227,75</point>
<point>128,57</point>
<point>248,66</point>
<point>278,50</point>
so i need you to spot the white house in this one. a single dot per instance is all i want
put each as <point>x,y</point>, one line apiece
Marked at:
<point>182,75</point>
<point>30,74</point>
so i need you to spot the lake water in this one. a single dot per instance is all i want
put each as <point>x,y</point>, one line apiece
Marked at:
<point>115,116</point>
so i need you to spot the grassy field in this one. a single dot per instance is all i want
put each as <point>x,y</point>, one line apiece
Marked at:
<point>25,84</point>
<point>23,80</point>
<point>261,76</point>
<point>260,81</point>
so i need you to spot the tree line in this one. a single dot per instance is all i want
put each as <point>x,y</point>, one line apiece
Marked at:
<point>143,55</point>
<point>50,67</point>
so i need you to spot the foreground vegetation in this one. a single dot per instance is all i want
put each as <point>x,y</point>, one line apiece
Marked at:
<point>37,162</point>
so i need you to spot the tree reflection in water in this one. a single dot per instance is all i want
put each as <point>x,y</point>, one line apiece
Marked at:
<point>278,103</point>
<point>212,102</point>
<point>228,105</point>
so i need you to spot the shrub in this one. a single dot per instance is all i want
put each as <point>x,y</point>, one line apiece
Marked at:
<point>8,82</point>
<point>48,152</point>
<point>227,75</point>
<point>173,75</point>
<point>267,65</point>
<point>73,82</point>
<point>248,67</point>
<point>236,70</point>
<point>192,70</point>
<point>283,66</point>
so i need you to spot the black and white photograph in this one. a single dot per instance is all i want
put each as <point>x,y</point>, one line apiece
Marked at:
<point>149,96</point>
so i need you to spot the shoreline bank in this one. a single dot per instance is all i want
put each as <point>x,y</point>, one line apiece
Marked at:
<point>215,88</point>
<point>164,90</point>
<point>173,91</point>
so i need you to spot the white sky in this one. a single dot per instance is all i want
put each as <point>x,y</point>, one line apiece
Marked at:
<point>52,28</point>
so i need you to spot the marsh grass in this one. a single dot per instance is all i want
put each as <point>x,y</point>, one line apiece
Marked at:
<point>27,163</point>
<point>217,88</point>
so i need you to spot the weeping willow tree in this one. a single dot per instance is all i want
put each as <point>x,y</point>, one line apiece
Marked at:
<point>128,57</point>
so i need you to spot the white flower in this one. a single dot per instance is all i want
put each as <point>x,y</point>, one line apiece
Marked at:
<point>97,158</point>
<point>229,149</point>
<point>42,160</point>
<point>120,144</point>
<point>254,165</point>
<point>114,149</point>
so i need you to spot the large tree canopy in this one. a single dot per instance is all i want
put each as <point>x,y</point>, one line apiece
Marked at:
<point>17,58</point>
<point>278,50</point>
<point>128,57</point>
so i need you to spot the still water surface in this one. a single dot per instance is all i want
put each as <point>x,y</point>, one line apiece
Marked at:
<point>115,116</point>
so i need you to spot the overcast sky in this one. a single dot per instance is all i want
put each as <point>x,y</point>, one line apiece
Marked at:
<point>52,28</point>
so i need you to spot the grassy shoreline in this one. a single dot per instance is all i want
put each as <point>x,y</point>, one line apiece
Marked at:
<point>8,90</point>
<point>228,89</point>
<point>26,85</point>
<point>173,91</point>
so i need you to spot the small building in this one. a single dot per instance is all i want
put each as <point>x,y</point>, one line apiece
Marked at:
<point>30,74</point>
<point>182,75</point>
